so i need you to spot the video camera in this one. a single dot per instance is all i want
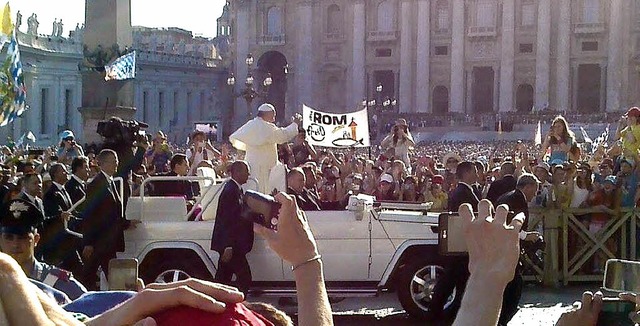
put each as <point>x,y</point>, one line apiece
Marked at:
<point>118,131</point>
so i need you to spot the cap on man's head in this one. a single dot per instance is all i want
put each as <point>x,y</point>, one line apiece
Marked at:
<point>266,107</point>
<point>556,162</point>
<point>386,178</point>
<point>610,179</point>
<point>66,134</point>
<point>526,179</point>
<point>633,112</point>
<point>20,217</point>
<point>437,179</point>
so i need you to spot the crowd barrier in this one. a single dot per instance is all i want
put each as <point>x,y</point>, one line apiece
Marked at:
<point>570,247</point>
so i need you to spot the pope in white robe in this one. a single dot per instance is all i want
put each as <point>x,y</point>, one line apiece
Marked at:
<point>259,139</point>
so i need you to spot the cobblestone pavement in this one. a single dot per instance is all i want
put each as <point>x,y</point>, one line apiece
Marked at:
<point>539,306</point>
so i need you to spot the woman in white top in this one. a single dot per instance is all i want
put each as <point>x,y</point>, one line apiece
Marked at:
<point>200,150</point>
<point>401,141</point>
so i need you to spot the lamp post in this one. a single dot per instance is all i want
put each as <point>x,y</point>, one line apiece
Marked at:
<point>250,92</point>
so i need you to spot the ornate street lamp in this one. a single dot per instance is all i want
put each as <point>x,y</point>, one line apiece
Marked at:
<point>249,92</point>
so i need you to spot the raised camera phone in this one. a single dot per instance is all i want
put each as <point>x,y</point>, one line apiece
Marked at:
<point>123,274</point>
<point>260,208</point>
<point>619,276</point>
<point>451,239</point>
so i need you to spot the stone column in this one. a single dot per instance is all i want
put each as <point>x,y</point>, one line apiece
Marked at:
<point>614,59</point>
<point>406,68</point>
<point>563,65</point>
<point>305,54</point>
<point>358,64</point>
<point>457,57</point>
<point>423,57</point>
<point>543,54</point>
<point>508,53</point>
<point>243,34</point>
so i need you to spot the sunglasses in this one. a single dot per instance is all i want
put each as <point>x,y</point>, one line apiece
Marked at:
<point>68,139</point>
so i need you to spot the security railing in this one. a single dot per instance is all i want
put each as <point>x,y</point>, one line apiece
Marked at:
<point>571,247</point>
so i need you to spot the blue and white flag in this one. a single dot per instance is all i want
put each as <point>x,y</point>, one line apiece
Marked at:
<point>601,140</point>
<point>13,92</point>
<point>122,68</point>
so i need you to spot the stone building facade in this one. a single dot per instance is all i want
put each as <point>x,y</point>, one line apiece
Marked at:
<point>439,56</point>
<point>177,84</point>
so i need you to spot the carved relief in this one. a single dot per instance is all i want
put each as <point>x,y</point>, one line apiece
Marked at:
<point>483,49</point>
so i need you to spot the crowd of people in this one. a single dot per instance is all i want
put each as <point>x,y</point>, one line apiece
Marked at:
<point>48,185</point>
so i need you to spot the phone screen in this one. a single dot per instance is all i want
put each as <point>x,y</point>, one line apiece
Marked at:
<point>123,274</point>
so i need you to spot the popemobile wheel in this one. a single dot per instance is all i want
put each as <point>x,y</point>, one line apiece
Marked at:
<point>172,275</point>
<point>415,288</point>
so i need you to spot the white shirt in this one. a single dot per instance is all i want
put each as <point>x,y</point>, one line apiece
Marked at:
<point>110,178</point>
<point>60,187</point>
<point>77,179</point>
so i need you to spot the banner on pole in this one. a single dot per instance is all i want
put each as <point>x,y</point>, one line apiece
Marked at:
<point>336,130</point>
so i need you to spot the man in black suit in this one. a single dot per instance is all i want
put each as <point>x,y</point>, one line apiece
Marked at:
<point>59,247</point>
<point>179,168</point>
<point>103,222</point>
<point>76,186</point>
<point>232,235</point>
<point>506,183</point>
<point>296,181</point>
<point>456,270</point>
<point>518,201</point>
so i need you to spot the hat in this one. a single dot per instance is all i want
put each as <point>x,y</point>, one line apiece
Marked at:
<point>386,177</point>
<point>543,165</point>
<point>556,161</point>
<point>611,179</point>
<point>234,314</point>
<point>437,179</point>
<point>451,155</point>
<point>266,107</point>
<point>20,217</point>
<point>66,134</point>
<point>633,112</point>
<point>401,122</point>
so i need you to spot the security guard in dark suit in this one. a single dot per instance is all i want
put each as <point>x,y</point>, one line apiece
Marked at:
<point>518,201</point>
<point>18,227</point>
<point>232,235</point>
<point>456,271</point>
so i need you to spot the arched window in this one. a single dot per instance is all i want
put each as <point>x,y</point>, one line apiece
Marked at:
<point>334,19</point>
<point>440,100</point>
<point>591,11</point>
<point>274,21</point>
<point>524,98</point>
<point>485,13</point>
<point>385,16</point>
<point>442,10</point>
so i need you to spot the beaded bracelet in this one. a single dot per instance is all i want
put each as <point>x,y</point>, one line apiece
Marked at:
<point>316,257</point>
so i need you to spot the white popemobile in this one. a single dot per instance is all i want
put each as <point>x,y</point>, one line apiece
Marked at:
<point>365,249</point>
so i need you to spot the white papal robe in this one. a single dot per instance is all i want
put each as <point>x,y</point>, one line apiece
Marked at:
<point>259,139</point>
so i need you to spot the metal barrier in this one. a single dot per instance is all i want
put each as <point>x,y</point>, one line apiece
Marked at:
<point>570,246</point>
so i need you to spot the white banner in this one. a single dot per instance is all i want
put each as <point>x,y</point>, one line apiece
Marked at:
<point>336,130</point>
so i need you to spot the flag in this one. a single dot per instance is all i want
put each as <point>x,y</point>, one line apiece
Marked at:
<point>122,68</point>
<point>586,137</point>
<point>601,140</point>
<point>538,136</point>
<point>13,92</point>
<point>31,137</point>
<point>6,29</point>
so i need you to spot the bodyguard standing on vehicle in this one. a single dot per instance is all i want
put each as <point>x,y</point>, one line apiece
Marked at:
<point>456,270</point>
<point>232,235</point>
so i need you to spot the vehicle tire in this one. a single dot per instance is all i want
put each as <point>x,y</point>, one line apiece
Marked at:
<point>172,266</point>
<point>415,285</point>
